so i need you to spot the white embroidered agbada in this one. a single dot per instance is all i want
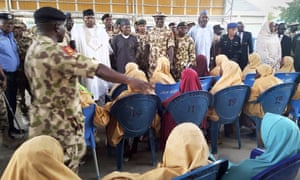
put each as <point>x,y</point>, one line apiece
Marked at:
<point>93,43</point>
<point>203,38</point>
<point>268,47</point>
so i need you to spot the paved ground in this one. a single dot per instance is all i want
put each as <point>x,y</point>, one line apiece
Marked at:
<point>141,161</point>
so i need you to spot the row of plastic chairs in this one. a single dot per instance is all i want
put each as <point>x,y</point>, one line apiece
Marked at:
<point>164,91</point>
<point>136,112</point>
<point>285,77</point>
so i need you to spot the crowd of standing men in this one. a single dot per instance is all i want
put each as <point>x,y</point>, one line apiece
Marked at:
<point>88,50</point>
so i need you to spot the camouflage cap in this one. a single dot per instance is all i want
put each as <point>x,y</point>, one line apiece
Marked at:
<point>159,14</point>
<point>19,24</point>
<point>141,21</point>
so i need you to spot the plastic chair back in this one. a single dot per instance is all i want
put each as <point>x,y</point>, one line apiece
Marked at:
<point>164,91</point>
<point>135,113</point>
<point>190,107</point>
<point>286,169</point>
<point>288,77</point>
<point>206,82</point>
<point>276,98</point>
<point>228,102</point>
<point>208,172</point>
<point>249,79</point>
<point>89,127</point>
<point>295,111</point>
<point>120,88</point>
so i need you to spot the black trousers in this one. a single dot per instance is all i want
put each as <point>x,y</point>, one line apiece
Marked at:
<point>11,94</point>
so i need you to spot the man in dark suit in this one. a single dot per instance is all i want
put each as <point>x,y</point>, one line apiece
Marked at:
<point>285,41</point>
<point>246,43</point>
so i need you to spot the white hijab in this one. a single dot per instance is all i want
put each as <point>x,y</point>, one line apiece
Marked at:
<point>268,46</point>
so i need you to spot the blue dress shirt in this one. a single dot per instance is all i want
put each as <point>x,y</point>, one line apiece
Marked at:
<point>9,58</point>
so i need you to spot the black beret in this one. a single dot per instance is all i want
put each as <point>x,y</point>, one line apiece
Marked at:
<point>181,24</point>
<point>48,14</point>
<point>105,16</point>
<point>88,12</point>
<point>118,21</point>
<point>6,16</point>
<point>141,21</point>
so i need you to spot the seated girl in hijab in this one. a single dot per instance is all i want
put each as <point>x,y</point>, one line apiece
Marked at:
<point>280,137</point>
<point>39,158</point>
<point>265,79</point>
<point>230,75</point>
<point>287,65</point>
<point>101,117</point>
<point>186,149</point>
<point>201,66</point>
<point>189,82</point>
<point>162,73</point>
<point>219,59</point>
<point>114,130</point>
<point>254,61</point>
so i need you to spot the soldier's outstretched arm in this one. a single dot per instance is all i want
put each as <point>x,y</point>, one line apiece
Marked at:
<point>111,75</point>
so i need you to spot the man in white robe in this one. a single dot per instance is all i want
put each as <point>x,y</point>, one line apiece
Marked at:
<point>202,35</point>
<point>93,41</point>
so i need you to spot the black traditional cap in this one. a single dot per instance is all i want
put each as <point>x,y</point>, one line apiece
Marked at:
<point>172,24</point>
<point>218,27</point>
<point>6,16</point>
<point>48,14</point>
<point>124,22</point>
<point>88,12</point>
<point>159,14</point>
<point>141,21</point>
<point>281,26</point>
<point>181,24</point>
<point>105,16</point>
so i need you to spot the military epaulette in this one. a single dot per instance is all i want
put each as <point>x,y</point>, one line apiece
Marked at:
<point>68,50</point>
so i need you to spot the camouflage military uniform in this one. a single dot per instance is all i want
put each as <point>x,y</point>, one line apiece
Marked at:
<point>159,39</point>
<point>23,44</point>
<point>142,53</point>
<point>53,73</point>
<point>184,54</point>
<point>3,112</point>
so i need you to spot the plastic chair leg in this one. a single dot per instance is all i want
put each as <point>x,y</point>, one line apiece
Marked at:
<point>238,132</point>
<point>120,154</point>
<point>152,146</point>
<point>214,132</point>
<point>257,124</point>
<point>96,163</point>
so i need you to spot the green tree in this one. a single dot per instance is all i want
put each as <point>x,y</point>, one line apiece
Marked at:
<point>291,13</point>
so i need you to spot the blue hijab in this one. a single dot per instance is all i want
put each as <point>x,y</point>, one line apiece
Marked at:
<point>281,138</point>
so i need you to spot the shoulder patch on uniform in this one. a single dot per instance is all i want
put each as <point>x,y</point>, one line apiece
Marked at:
<point>68,50</point>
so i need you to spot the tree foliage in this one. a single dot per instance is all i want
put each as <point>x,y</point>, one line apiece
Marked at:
<point>291,13</point>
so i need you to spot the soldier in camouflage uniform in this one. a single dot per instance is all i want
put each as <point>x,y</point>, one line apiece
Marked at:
<point>23,43</point>
<point>3,112</point>
<point>161,42</point>
<point>142,54</point>
<point>53,73</point>
<point>184,50</point>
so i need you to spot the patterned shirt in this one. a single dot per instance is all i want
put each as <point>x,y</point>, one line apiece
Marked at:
<point>159,39</point>
<point>53,73</point>
<point>184,54</point>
